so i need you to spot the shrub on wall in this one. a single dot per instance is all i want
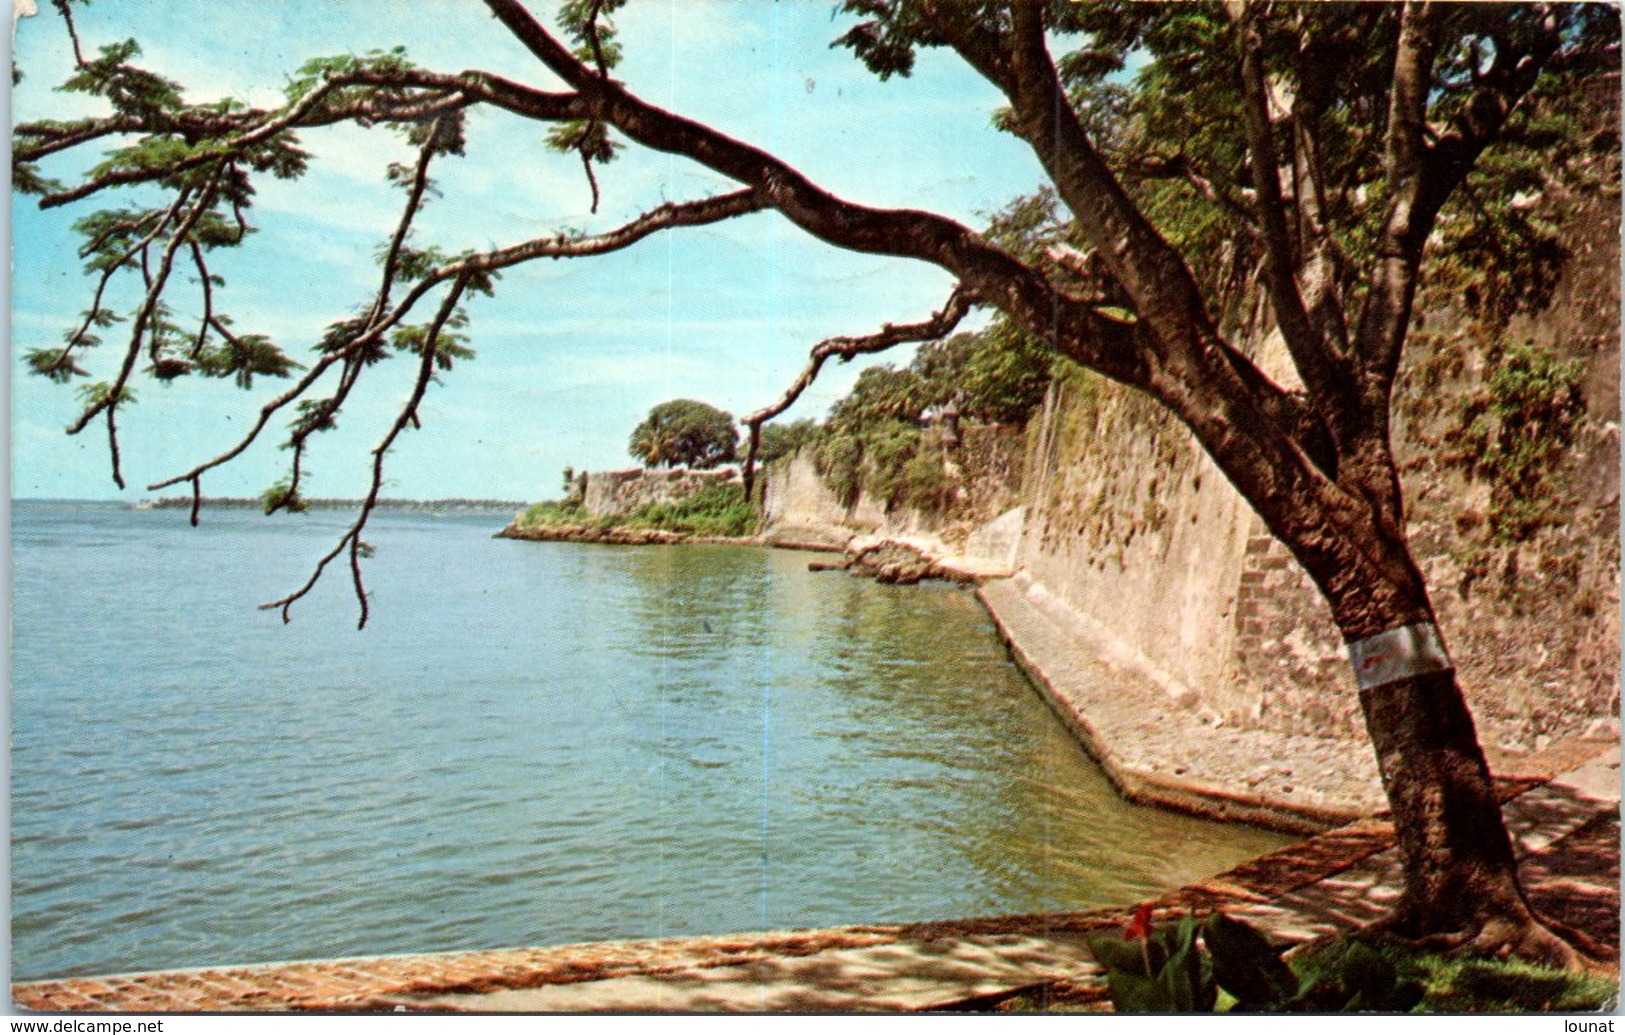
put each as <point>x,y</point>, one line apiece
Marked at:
<point>1514,431</point>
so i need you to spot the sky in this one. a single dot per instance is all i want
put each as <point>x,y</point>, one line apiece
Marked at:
<point>571,353</point>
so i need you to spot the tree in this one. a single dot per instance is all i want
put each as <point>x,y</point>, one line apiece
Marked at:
<point>785,439</point>
<point>685,433</point>
<point>1323,145</point>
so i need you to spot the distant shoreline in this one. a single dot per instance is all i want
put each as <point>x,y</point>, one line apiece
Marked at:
<point>253,503</point>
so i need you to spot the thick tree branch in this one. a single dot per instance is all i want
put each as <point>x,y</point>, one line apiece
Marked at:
<point>1165,293</point>
<point>991,273</point>
<point>62,138</point>
<point>1308,348</point>
<point>1384,319</point>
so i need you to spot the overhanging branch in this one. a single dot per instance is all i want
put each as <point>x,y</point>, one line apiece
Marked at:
<point>938,326</point>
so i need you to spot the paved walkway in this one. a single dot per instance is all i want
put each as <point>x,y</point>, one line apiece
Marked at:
<point>1152,745</point>
<point>1566,827</point>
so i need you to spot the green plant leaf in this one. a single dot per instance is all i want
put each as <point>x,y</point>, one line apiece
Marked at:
<point>1246,965</point>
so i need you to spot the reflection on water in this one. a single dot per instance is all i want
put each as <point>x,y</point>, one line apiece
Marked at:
<point>532,743</point>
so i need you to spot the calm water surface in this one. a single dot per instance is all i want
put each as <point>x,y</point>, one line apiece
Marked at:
<point>531,743</point>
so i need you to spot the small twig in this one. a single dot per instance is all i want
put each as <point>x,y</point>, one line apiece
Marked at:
<point>112,444</point>
<point>73,33</point>
<point>592,180</point>
<point>403,226</point>
<point>208,300</point>
<point>351,540</point>
<point>592,39</point>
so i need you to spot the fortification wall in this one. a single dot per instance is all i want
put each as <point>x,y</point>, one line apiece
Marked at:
<point>1123,519</point>
<point>613,493</point>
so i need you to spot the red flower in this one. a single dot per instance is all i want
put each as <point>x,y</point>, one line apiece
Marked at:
<point>1140,926</point>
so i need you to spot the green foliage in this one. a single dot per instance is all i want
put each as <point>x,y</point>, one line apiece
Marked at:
<point>926,484</point>
<point>99,392</point>
<point>685,433</point>
<point>881,394</point>
<point>131,90</point>
<point>242,357</point>
<point>888,448</point>
<point>319,71</point>
<point>716,510</point>
<point>283,496</point>
<point>1161,972</point>
<point>1514,431</point>
<point>1172,129</point>
<point>57,363</point>
<point>449,345</point>
<point>1165,969</point>
<point>875,440</point>
<point>553,513</point>
<point>785,439</point>
<point>839,461</point>
<point>996,375</point>
<point>1467,985</point>
<point>590,25</point>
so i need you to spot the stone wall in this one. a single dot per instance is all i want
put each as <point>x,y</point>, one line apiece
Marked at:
<point>802,511</point>
<point>1130,525</point>
<point>1119,516</point>
<point>613,493</point>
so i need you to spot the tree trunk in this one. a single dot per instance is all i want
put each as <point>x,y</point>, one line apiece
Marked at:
<point>1458,857</point>
<point>1461,884</point>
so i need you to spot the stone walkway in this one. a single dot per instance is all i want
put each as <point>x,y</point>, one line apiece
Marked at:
<point>1566,827</point>
<point>1153,745</point>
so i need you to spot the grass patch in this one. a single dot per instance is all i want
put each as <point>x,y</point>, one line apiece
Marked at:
<point>1450,985</point>
<point>1502,986</point>
<point>553,513</point>
<point>716,510</point>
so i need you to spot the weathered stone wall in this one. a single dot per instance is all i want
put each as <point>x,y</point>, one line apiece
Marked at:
<point>1130,525</point>
<point>1123,519</point>
<point>613,493</point>
<point>801,510</point>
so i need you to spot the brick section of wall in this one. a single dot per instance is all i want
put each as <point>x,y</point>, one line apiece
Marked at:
<point>1288,652</point>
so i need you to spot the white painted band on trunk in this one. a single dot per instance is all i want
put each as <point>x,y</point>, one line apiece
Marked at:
<point>1410,650</point>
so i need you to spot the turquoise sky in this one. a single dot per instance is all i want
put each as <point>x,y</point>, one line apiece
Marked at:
<point>572,353</point>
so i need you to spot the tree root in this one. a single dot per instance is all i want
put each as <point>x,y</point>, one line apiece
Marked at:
<point>1527,937</point>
